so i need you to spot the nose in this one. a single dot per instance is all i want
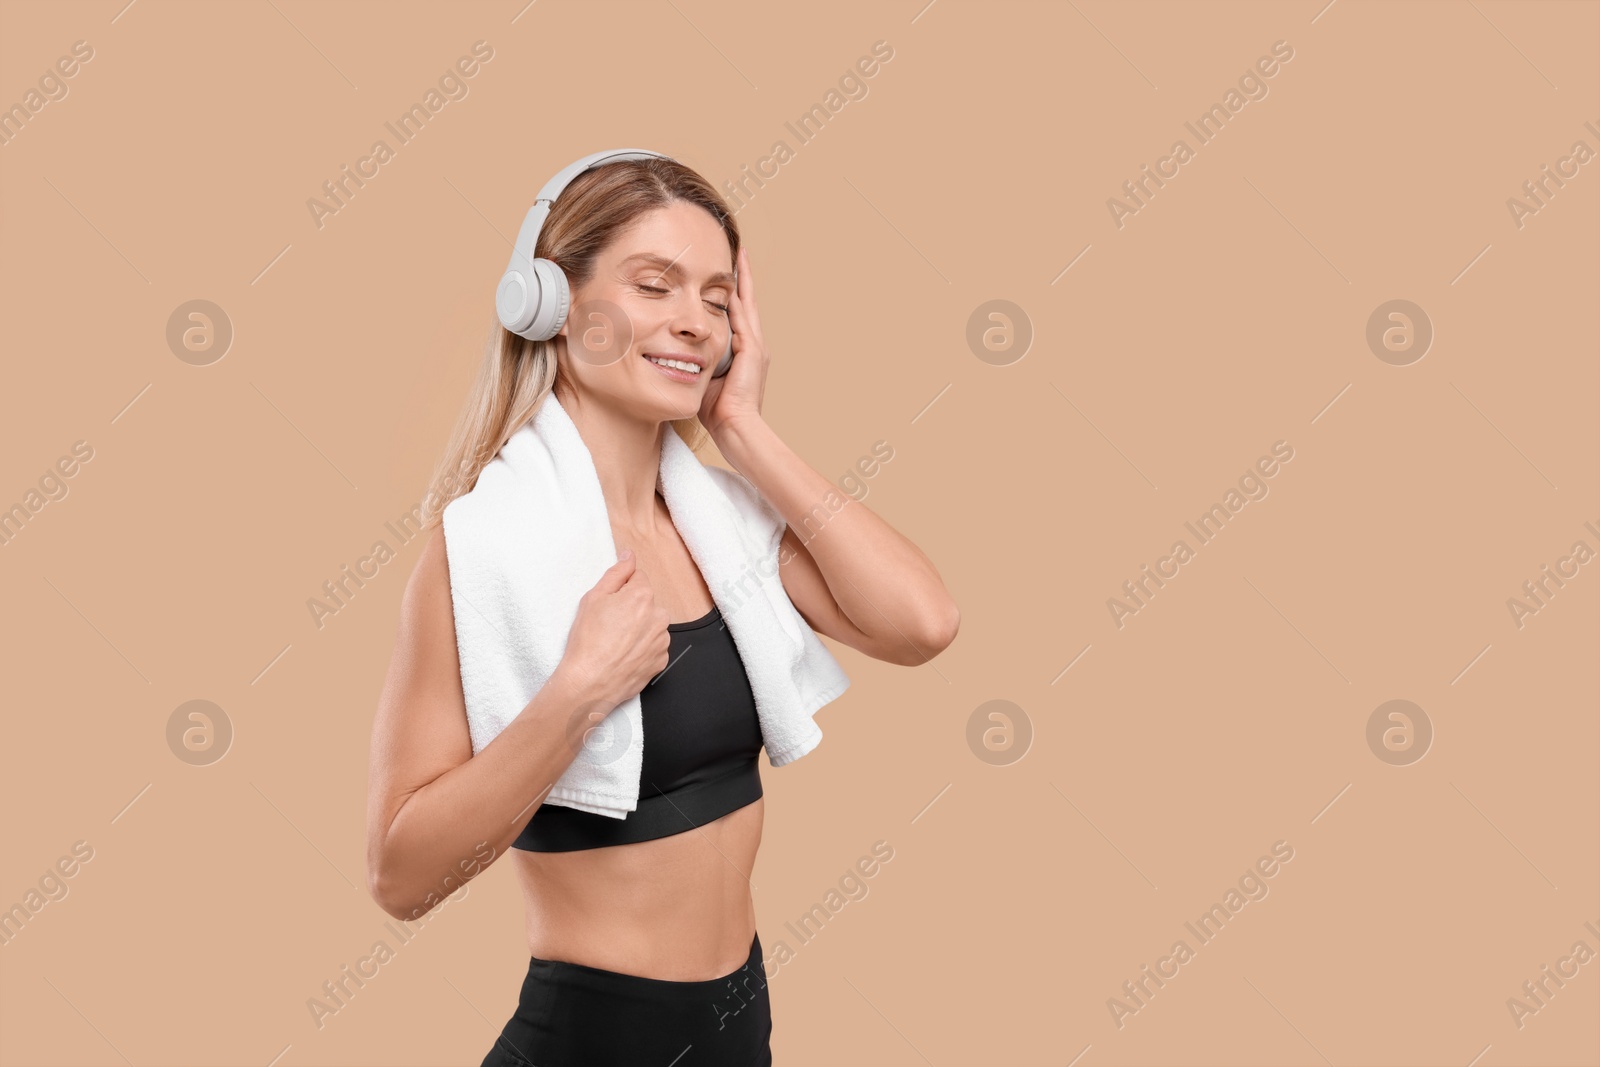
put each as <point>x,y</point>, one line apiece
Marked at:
<point>694,323</point>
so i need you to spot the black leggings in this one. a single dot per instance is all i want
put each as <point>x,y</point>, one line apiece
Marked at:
<point>570,1015</point>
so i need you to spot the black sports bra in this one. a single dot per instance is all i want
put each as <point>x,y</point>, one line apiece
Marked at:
<point>702,738</point>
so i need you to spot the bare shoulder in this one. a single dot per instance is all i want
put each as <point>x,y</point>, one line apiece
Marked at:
<point>422,717</point>
<point>427,615</point>
<point>430,578</point>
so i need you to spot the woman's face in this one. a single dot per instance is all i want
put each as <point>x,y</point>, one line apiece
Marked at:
<point>661,289</point>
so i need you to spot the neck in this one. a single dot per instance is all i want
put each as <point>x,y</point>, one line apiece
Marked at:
<point>627,458</point>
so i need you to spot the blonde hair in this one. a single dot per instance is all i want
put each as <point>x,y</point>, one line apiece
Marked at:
<point>517,374</point>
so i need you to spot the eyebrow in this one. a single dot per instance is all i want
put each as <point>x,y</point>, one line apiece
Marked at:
<point>670,266</point>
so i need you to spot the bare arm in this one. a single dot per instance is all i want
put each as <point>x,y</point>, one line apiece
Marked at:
<point>849,573</point>
<point>437,815</point>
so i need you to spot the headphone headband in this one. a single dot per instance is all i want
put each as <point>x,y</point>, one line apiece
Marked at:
<point>554,186</point>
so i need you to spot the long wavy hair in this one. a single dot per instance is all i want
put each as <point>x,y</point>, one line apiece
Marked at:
<point>517,374</point>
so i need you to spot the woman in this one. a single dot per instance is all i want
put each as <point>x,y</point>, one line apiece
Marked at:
<point>635,934</point>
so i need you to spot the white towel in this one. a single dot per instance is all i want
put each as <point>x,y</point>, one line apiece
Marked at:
<point>533,536</point>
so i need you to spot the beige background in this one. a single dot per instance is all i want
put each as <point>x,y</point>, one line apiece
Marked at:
<point>1228,314</point>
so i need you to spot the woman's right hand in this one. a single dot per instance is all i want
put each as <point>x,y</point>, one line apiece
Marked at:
<point>619,640</point>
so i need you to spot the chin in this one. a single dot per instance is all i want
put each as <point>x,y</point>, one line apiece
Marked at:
<point>642,392</point>
<point>661,397</point>
<point>649,405</point>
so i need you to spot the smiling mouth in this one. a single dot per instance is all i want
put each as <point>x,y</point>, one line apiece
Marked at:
<point>680,366</point>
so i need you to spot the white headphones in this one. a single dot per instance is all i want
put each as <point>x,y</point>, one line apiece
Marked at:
<point>533,298</point>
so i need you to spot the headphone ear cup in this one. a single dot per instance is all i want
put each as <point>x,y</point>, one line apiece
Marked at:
<point>511,301</point>
<point>552,299</point>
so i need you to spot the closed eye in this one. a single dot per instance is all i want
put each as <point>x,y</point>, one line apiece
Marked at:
<point>652,289</point>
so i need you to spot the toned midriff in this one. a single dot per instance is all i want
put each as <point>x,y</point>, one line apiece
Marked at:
<point>675,908</point>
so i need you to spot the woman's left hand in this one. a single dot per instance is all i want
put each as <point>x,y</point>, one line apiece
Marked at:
<point>736,396</point>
